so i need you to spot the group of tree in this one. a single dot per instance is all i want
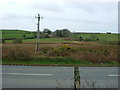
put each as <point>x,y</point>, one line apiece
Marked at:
<point>62,33</point>
<point>47,33</point>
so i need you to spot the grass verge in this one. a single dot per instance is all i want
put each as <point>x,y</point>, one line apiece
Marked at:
<point>55,61</point>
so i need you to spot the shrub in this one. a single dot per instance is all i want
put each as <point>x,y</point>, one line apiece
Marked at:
<point>97,39</point>
<point>24,36</point>
<point>64,50</point>
<point>80,38</point>
<point>108,32</point>
<point>16,41</point>
<point>66,47</point>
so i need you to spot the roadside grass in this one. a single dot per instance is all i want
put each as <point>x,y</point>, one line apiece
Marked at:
<point>46,60</point>
<point>55,61</point>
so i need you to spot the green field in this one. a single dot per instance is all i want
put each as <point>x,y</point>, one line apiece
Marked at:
<point>102,36</point>
<point>42,40</point>
<point>12,34</point>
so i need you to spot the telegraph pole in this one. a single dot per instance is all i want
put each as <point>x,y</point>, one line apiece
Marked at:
<point>38,31</point>
<point>38,34</point>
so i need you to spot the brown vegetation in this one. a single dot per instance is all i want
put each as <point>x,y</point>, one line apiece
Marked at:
<point>94,53</point>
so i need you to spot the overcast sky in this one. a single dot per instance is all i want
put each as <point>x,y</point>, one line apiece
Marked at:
<point>75,15</point>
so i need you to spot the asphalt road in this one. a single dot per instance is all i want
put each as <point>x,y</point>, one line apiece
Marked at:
<point>58,77</point>
<point>37,77</point>
<point>102,77</point>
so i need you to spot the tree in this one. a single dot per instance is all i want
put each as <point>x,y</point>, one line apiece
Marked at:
<point>65,33</point>
<point>58,33</point>
<point>24,36</point>
<point>47,31</point>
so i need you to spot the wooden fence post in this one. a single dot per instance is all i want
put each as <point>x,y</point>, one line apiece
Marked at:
<point>76,78</point>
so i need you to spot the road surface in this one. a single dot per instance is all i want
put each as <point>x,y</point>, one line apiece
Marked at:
<point>103,77</point>
<point>37,77</point>
<point>58,77</point>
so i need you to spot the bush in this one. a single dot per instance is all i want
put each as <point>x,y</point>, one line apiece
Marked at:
<point>64,50</point>
<point>98,39</point>
<point>65,47</point>
<point>108,32</point>
<point>16,41</point>
<point>80,38</point>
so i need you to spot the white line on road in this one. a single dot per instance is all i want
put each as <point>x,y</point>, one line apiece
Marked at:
<point>28,74</point>
<point>113,75</point>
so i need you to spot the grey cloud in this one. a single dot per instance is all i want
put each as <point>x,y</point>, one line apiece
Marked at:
<point>99,22</point>
<point>82,6</point>
<point>47,6</point>
<point>93,7</point>
<point>13,16</point>
<point>80,20</point>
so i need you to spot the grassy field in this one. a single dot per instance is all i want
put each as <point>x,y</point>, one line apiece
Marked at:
<point>42,39</point>
<point>102,37</point>
<point>6,34</point>
<point>9,34</point>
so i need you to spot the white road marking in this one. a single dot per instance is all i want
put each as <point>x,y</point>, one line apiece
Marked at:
<point>113,75</point>
<point>29,74</point>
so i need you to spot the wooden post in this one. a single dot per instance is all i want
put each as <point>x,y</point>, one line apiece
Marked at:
<point>38,35</point>
<point>76,78</point>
